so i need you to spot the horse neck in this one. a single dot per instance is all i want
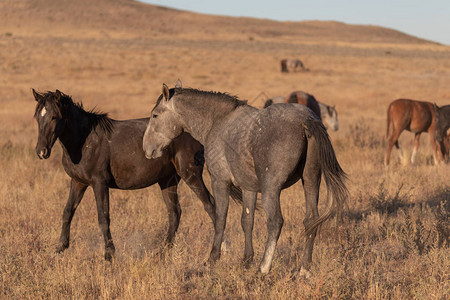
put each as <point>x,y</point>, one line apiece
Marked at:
<point>200,115</point>
<point>444,113</point>
<point>77,127</point>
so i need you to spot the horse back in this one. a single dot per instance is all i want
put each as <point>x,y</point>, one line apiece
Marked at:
<point>413,115</point>
<point>307,100</point>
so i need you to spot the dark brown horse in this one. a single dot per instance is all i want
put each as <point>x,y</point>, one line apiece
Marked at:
<point>414,116</point>
<point>442,125</point>
<point>104,153</point>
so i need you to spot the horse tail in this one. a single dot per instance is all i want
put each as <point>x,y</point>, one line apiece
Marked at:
<point>236,194</point>
<point>334,175</point>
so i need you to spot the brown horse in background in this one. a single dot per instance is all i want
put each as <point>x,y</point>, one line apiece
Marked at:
<point>307,100</point>
<point>414,116</point>
<point>326,113</point>
<point>292,65</point>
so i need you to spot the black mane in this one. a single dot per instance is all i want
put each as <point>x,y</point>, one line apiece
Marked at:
<point>64,105</point>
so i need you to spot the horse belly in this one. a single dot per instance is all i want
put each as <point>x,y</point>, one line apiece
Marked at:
<point>139,172</point>
<point>420,122</point>
<point>244,176</point>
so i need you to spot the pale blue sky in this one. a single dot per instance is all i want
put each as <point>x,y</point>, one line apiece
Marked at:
<point>428,19</point>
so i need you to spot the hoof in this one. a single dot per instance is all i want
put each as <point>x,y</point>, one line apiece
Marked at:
<point>108,256</point>
<point>247,261</point>
<point>109,253</point>
<point>61,248</point>
<point>225,246</point>
<point>305,273</point>
<point>264,269</point>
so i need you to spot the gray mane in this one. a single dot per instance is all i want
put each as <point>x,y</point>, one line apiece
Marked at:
<point>224,98</point>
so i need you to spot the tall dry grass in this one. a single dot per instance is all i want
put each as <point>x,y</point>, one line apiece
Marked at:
<point>393,243</point>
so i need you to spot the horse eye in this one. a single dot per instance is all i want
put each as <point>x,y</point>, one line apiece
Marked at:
<point>154,116</point>
<point>54,118</point>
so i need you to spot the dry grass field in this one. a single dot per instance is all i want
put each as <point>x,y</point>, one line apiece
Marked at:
<point>115,55</point>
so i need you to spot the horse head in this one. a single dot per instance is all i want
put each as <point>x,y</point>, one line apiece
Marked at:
<point>50,121</point>
<point>159,134</point>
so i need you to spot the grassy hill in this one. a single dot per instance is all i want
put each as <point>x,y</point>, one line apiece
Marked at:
<point>115,55</point>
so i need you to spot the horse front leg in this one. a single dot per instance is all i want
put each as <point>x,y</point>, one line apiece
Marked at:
<point>189,166</point>
<point>75,195</point>
<point>170,196</point>
<point>101,193</point>
<point>192,175</point>
<point>247,221</point>
<point>221,195</point>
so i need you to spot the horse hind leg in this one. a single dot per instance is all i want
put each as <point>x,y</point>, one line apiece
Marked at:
<point>391,141</point>
<point>311,183</point>
<point>271,205</point>
<point>170,196</point>
<point>221,195</point>
<point>416,147</point>
<point>247,221</point>
<point>437,152</point>
<point>101,193</point>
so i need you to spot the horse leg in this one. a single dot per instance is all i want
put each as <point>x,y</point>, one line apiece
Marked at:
<point>311,184</point>
<point>271,205</point>
<point>101,193</point>
<point>76,194</point>
<point>192,173</point>
<point>393,140</point>
<point>416,147</point>
<point>170,196</point>
<point>437,153</point>
<point>194,179</point>
<point>247,220</point>
<point>221,195</point>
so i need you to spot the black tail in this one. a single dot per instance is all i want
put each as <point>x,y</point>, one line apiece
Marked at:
<point>332,172</point>
<point>236,194</point>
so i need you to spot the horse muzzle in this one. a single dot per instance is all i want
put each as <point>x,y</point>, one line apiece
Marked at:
<point>154,154</point>
<point>43,153</point>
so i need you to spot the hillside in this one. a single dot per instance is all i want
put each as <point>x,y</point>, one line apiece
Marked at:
<point>114,56</point>
<point>133,18</point>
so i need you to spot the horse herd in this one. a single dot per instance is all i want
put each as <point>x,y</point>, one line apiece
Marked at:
<point>241,146</point>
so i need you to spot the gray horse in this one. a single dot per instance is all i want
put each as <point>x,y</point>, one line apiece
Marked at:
<point>328,114</point>
<point>257,150</point>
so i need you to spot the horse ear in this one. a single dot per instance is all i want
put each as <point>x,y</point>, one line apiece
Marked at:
<point>178,84</point>
<point>36,95</point>
<point>436,107</point>
<point>165,91</point>
<point>58,95</point>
